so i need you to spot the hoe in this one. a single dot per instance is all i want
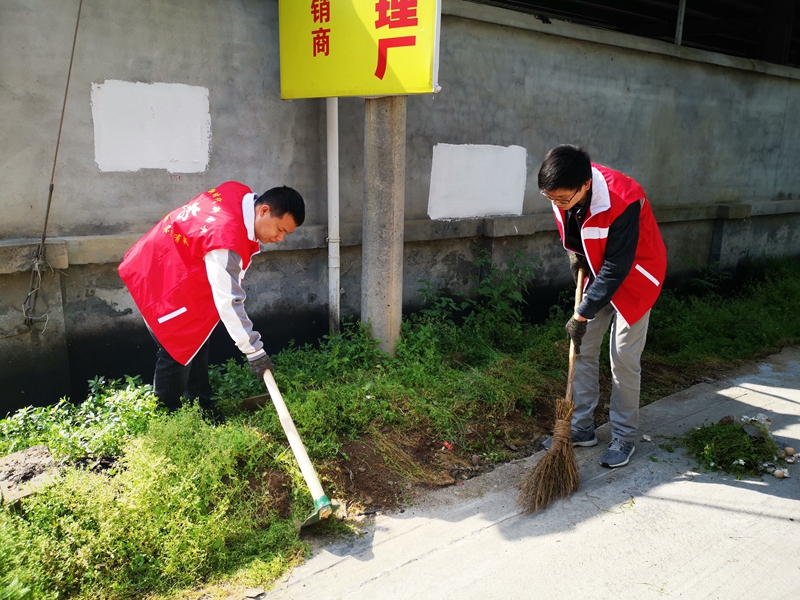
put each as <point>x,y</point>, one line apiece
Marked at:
<point>323,507</point>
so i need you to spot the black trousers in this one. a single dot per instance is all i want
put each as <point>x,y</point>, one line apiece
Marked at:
<point>173,380</point>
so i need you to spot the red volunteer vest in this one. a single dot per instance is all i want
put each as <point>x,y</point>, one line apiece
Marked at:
<point>165,273</point>
<point>612,193</point>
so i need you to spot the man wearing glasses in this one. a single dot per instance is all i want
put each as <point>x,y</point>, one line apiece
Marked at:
<point>607,227</point>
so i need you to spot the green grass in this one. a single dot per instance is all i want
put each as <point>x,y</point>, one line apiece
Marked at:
<point>187,503</point>
<point>748,321</point>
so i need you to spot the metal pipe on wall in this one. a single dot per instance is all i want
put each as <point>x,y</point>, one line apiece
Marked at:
<point>679,25</point>
<point>334,261</point>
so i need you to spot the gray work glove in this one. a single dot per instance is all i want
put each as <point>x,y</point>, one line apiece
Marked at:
<point>260,365</point>
<point>577,262</point>
<point>576,330</point>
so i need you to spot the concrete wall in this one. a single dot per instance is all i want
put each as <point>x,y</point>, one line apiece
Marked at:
<point>714,140</point>
<point>230,48</point>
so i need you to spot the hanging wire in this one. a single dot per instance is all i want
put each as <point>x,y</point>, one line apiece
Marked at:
<point>29,304</point>
<point>40,257</point>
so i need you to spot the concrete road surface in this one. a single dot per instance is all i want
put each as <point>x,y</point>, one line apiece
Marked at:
<point>657,528</point>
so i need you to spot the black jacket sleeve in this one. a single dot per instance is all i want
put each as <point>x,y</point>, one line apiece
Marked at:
<point>623,237</point>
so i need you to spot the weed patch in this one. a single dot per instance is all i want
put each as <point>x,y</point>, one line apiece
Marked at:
<point>113,412</point>
<point>728,447</point>
<point>180,507</point>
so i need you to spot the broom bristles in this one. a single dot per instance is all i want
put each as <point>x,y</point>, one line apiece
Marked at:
<point>556,475</point>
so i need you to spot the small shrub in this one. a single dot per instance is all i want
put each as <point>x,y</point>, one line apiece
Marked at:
<point>711,278</point>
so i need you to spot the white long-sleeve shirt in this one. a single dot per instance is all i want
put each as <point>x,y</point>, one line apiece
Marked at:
<point>225,275</point>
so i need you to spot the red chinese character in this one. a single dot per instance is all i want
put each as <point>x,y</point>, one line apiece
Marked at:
<point>383,47</point>
<point>396,13</point>
<point>321,41</point>
<point>321,11</point>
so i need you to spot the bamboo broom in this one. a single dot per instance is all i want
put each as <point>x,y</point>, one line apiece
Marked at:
<point>556,475</point>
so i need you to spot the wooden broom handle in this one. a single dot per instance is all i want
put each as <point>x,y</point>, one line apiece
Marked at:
<point>571,372</point>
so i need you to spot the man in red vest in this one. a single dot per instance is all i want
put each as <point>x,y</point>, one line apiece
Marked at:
<point>607,226</point>
<point>185,275</point>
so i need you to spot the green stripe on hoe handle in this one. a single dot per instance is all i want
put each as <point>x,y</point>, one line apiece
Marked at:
<point>323,508</point>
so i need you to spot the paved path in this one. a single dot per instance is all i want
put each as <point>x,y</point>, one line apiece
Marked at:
<point>656,528</point>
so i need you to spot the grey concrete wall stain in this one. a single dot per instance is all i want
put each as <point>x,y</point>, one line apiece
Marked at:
<point>686,252</point>
<point>91,309</point>
<point>34,367</point>
<point>448,265</point>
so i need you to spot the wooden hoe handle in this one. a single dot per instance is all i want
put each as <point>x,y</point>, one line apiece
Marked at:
<point>306,468</point>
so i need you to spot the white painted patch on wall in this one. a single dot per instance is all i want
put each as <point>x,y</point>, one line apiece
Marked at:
<point>476,181</point>
<point>151,126</point>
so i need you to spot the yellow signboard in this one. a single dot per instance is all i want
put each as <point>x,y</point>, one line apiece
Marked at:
<point>358,47</point>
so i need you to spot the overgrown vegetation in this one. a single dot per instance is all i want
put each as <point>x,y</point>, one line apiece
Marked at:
<point>185,502</point>
<point>747,318</point>
<point>113,412</point>
<point>188,503</point>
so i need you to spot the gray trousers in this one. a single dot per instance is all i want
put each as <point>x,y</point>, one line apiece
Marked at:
<point>625,348</point>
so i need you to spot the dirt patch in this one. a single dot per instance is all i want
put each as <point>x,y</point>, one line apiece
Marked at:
<point>24,472</point>
<point>380,470</point>
<point>279,489</point>
<point>660,379</point>
<point>385,469</point>
<point>362,476</point>
<point>98,464</point>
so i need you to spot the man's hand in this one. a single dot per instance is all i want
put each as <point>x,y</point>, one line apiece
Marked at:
<point>576,330</point>
<point>577,262</point>
<point>261,365</point>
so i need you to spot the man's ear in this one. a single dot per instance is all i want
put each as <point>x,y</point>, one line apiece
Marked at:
<point>262,210</point>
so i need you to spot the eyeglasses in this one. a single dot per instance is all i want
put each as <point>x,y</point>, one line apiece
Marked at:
<point>559,200</point>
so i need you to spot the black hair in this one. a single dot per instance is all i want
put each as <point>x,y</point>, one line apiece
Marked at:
<point>566,167</point>
<point>282,200</point>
